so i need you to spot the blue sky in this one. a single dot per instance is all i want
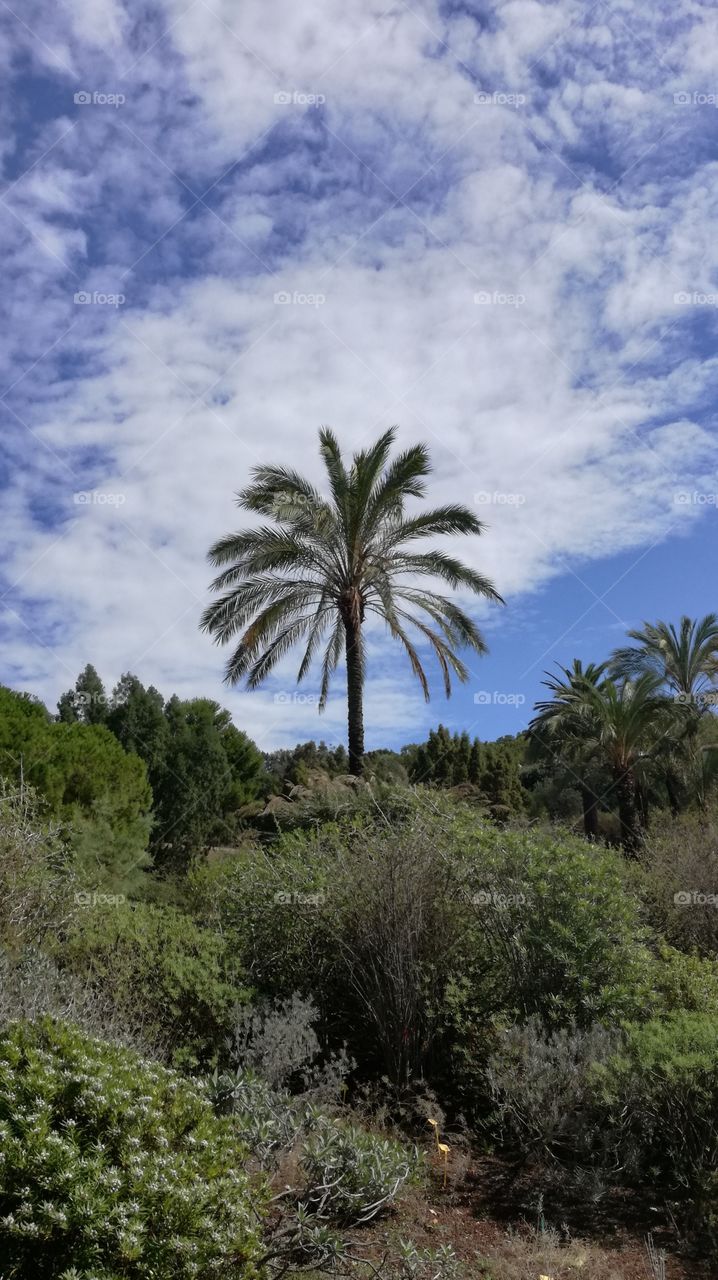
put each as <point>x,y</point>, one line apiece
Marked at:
<point>495,224</point>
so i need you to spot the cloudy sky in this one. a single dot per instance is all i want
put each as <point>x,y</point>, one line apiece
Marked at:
<point>225,224</point>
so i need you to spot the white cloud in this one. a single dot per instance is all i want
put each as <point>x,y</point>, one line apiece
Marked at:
<point>567,398</point>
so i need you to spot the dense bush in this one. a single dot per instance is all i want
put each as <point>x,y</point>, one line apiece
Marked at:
<point>640,1104</point>
<point>658,1098</point>
<point>359,919</point>
<point>111,1166</point>
<point>37,879</point>
<point>168,977</point>
<point>678,981</point>
<point>412,935</point>
<point>542,1085</point>
<point>681,866</point>
<point>557,924</point>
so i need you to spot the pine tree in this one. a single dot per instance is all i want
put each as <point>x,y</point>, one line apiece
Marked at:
<point>475,763</point>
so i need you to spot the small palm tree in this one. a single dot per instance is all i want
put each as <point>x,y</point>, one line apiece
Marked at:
<point>325,562</point>
<point>624,727</point>
<point>559,736</point>
<point>628,724</point>
<point>686,660</point>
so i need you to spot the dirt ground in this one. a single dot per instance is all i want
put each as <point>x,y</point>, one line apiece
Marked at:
<point>492,1220</point>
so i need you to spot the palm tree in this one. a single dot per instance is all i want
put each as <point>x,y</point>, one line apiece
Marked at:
<point>558,736</point>
<point>627,726</point>
<point>686,660</point>
<point>619,726</point>
<point>325,562</point>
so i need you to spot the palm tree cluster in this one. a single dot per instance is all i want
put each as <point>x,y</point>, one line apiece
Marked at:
<point>632,729</point>
<point>326,562</point>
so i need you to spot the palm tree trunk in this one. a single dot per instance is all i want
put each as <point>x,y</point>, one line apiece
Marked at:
<point>355,695</point>
<point>628,811</point>
<point>590,813</point>
<point>673,795</point>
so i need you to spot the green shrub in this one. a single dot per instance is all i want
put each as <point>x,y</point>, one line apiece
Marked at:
<point>350,1174</point>
<point>658,1097</point>
<point>114,1167</point>
<point>160,970</point>
<point>271,908</point>
<point>413,935</point>
<point>551,931</point>
<point>680,862</point>
<point>557,926</point>
<point>36,874</point>
<point>341,1173</point>
<point>540,1082</point>
<point>676,981</point>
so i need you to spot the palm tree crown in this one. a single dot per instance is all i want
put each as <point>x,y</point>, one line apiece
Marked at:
<point>685,658</point>
<point>326,561</point>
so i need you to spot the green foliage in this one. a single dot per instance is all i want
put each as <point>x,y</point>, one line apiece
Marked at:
<point>659,1098</point>
<point>492,769</point>
<point>210,770</point>
<point>344,1173</point>
<point>680,864</point>
<point>87,703</point>
<point>114,1167</point>
<point>136,717</point>
<point>36,874</point>
<point>678,981</point>
<point>413,935</point>
<point>352,1174</point>
<point>501,784</point>
<point>163,972</point>
<point>83,773</point>
<point>108,855</point>
<point>286,767</point>
<point>560,922</point>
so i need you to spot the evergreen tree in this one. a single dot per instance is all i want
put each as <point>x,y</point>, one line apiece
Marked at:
<point>462,758</point>
<point>136,717</point>
<point>475,763</point>
<point>501,784</point>
<point>87,702</point>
